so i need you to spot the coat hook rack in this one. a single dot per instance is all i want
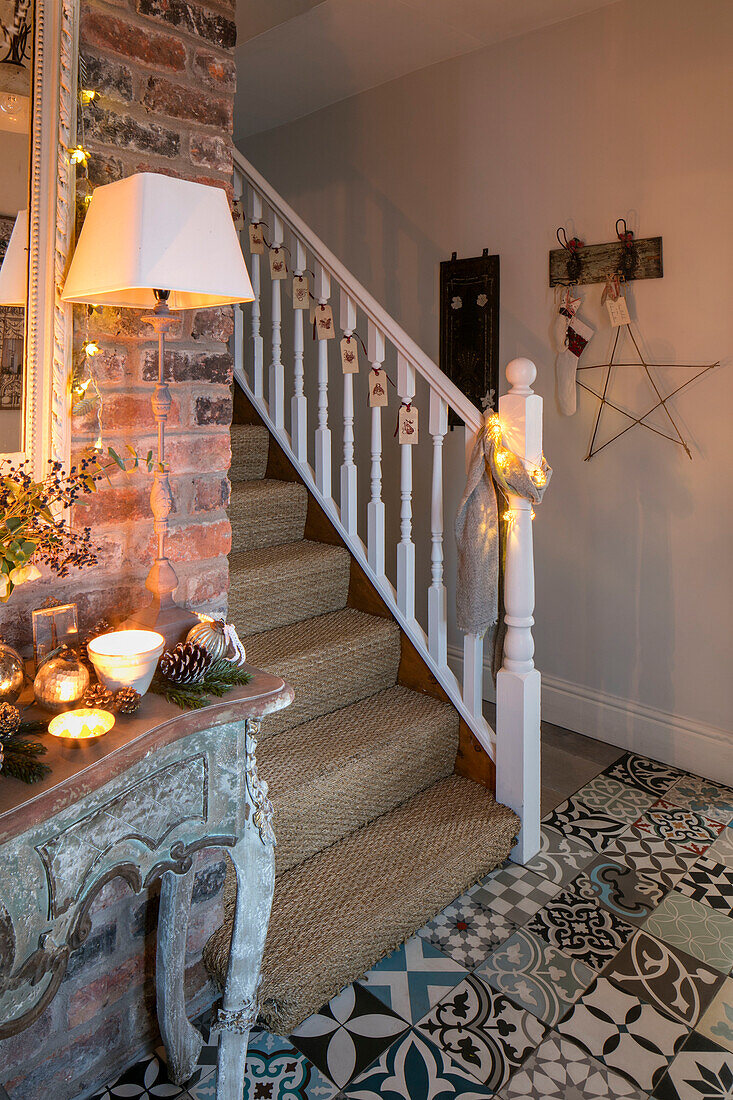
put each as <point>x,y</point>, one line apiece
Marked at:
<point>576,263</point>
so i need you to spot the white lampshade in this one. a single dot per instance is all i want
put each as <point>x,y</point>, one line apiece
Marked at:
<point>14,270</point>
<point>151,232</point>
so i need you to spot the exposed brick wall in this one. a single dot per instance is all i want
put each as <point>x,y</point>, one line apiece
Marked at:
<point>165,74</point>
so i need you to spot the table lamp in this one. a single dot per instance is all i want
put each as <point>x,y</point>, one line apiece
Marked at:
<point>14,270</point>
<point>151,240</point>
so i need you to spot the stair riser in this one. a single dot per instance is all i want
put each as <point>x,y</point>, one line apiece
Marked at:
<point>250,450</point>
<point>271,515</point>
<point>270,597</point>
<point>339,804</point>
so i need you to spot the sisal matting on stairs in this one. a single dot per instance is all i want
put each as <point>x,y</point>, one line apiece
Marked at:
<point>332,775</point>
<point>250,448</point>
<point>266,513</point>
<point>335,915</point>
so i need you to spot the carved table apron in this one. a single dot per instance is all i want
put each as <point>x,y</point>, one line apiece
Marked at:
<point>187,782</point>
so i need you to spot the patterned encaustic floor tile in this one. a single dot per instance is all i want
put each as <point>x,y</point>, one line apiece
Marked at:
<point>627,1035</point>
<point>611,797</point>
<point>413,978</point>
<point>483,1031</point>
<point>582,928</point>
<point>701,1071</point>
<point>640,771</point>
<point>467,932</point>
<point>711,883</point>
<point>595,828</point>
<point>704,796</point>
<point>560,857</point>
<point>696,928</point>
<point>722,850</point>
<point>536,976</point>
<point>146,1080</point>
<point>275,1071</point>
<point>683,828</point>
<point>415,1069</point>
<point>619,888</point>
<point>561,1070</point>
<point>651,857</point>
<point>514,892</point>
<point>664,976</point>
<point>717,1023</point>
<point>348,1033</point>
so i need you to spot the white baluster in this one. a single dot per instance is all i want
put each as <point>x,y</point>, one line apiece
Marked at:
<point>347,320</point>
<point>375,508</point>
<point>238,186</point>
<point>406,547</point>
<point>518,681</point>
<point>322,292</point>
<point>255,272</point>
<point>276,394</point>
<point>437,603</point>
<point>299,402</point>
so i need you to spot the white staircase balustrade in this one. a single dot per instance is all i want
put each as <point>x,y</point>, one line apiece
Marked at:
<point>515,749</point>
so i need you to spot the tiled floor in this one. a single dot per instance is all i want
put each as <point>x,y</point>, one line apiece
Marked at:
<point>600,971</point>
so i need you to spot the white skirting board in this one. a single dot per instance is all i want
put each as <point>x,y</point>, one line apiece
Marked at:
<point>682,742</point>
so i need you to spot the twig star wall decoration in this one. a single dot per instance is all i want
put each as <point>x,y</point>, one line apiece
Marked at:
<point>661,401</point>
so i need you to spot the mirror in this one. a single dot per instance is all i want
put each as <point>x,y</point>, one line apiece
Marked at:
<point>16,48</point>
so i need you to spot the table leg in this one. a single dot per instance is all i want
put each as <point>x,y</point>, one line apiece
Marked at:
<point>254,862</point>
<point>182,1041</point>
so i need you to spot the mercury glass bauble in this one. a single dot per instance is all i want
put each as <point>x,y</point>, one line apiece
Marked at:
<point>61,681</point>
<point>11,673</point>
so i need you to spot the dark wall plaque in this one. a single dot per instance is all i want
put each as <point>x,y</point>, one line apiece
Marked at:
<point>469,327</point>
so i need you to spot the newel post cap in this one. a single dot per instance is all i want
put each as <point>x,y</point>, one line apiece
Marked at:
<point>521,373</point>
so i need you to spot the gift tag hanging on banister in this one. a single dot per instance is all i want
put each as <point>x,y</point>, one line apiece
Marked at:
<point>324,322</point>
<point>256,239</point>
<point>238,214</point>
<point>407,423</point>
<point>377,388</point>
<point>350,355</point>
<point>278,266</point>
<point>301,295</point>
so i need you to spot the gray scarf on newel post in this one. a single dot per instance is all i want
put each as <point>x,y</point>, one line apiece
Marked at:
<point>478,531</point>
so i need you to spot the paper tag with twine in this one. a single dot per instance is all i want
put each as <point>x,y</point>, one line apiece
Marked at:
<point>256,239</point>
<point>278,266</point>
<point>324,322</point>
<point>377,389</point>
<point>407,424</point>
<point>301,297</point>
<point>350,355</point>
<point>618,311</point>
<point>238,215</point>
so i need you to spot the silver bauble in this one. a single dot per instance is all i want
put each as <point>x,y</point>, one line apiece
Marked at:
<point>210,636</point>
<point>61,681</point>
<point>11,673</point>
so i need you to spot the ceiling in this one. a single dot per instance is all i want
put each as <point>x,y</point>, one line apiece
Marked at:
<point>297,56</point>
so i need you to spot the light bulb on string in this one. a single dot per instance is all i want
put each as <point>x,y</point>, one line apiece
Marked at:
<point>79,155</point>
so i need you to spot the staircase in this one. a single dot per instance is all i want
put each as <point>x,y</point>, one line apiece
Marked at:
<point>375,833</point>
<point>383,769</point>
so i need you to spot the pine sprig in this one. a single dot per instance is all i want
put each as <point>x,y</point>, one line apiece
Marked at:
<point>20,758</point>
<point>220,677</point>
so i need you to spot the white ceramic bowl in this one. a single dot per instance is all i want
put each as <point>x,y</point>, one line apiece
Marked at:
<point>126,658</point>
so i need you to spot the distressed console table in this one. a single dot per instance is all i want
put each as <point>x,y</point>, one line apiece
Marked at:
<point>138,803</point>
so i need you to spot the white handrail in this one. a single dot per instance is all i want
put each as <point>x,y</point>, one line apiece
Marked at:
<point>397,336</point>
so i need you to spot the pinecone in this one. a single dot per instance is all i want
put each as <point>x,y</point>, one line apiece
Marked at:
<point>97,696</point>
<point>186,663</point>
<point>9,719</point>
<point>127,700</point>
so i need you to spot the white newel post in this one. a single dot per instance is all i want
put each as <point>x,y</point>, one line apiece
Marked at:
<point>473,644</point>
<point>406,547</point>
<point>375,507</point>
<point>299,402</point>
<point>257,343</point>
<point>437,601</point>
<point>322,292</point>
<point>276,395</point>
<point>347,320</point>
<point>518,681</point>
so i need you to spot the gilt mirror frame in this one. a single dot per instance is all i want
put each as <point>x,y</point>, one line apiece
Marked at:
<point>52,204</point>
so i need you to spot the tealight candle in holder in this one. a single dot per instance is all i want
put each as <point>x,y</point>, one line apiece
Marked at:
<point>126,658</point>
<point>81,725</point>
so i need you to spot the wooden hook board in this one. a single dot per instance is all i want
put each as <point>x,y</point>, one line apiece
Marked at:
<point>597,261</point>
